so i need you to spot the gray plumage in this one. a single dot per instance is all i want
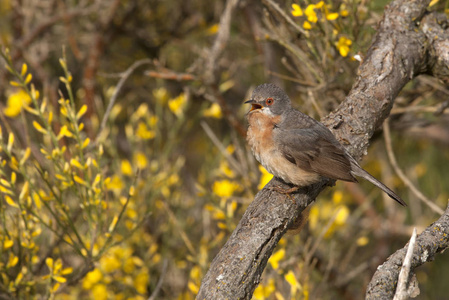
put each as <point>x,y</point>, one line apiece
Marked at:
<point>308,148</point>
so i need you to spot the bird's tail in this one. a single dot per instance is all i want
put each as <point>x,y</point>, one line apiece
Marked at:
<point>358,171</point>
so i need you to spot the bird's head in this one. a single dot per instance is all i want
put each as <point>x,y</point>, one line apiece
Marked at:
<point>269,99</point>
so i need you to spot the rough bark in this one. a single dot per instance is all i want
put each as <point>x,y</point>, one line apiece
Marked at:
<point>401,50</point>
<point>433,240</point>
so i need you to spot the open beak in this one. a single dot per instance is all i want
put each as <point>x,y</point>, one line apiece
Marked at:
<point>254,104</point>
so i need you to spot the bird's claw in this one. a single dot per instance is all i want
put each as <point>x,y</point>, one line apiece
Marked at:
<point>287,192</point>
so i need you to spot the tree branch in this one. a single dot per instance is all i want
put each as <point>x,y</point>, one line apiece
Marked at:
<point>434,239</point>
<point>398,54</point>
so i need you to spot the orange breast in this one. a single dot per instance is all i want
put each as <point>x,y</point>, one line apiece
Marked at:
<point>260,139</point>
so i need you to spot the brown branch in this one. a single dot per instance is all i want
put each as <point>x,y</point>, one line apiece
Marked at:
<point>433,240</point>
<point>434,26</point>
<point>119,86</point>
<point>170,75</point>
<point>401,174</point>
<point>92,63</point>
<point>397,54</point>
<point>160,281</point>
<point>403,280</point>
<point>220,42</point>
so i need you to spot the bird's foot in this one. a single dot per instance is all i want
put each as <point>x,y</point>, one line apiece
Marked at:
<point>282,190</point>
<point>287,192</point>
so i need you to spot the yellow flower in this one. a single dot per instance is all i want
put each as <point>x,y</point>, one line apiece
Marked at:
<point>340,220</point>
<point>342,215</point>
<point>226,170</point>
<point>314,216</point>
<point>276,257</point>
<point>294,284</point>
<point>16,101</point>
<point>331,16</point>
<point>114,184</point>
<point>214,111</point>
<point>296,10</point>
<point>173,179</point>
<point>362,241</point>
<point>100,292</point>
<point>10,201</point>
<point>265,178</point>
<point>126,167</point>
<point>161,95</point>
<point>344,13</point>
<point>213,29</point>
<point>264,291</point>
<point>343,46</point>
<point>194,288</point>
<point>306,25</point>
<point>12,261</point>
<point>178,104</point>
<point>7,243</point>
<point>230,149</point>
<point>219,214</point>
<point>143,132</point>
<point>140,160</point>
<point>153,121</point>
<point>337,197</point>
<point>141,282</point>
<point>225,188</point>
<point>110,263</point>
<point>195,273</point>
<point>310,13</point>
<point>64,131</point>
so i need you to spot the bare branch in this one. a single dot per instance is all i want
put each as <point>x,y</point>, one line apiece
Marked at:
<point>220,41</point>
<point>433,240</point>
<point>434,27</point>
<point>124,76</point>
<point>401,291</point>
<point>401,174</point>
<point>161,280</point>
<point>281,12</point>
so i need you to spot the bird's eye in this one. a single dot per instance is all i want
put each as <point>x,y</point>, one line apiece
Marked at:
<point>269,101</point>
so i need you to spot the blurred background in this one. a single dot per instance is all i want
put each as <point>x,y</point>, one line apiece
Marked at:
<point>124,166</point>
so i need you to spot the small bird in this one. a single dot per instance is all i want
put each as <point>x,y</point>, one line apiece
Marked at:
<point>297,148</point>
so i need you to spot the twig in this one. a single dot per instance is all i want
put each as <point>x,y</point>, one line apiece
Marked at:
<point>315,103</point>
<point>401,290</point>
<point>184,236</point>
<point>220,41</point>
<point>235,165</point>
<point>170,75</point>
<point>92,62</point>
<point>161,279</point>
<point>351,274</point>
<point>284,15</point>
<point>292,79</point>
<point>431,241</point>
<point>401,174</point>
<point>125,75</point>
<point>320,237</point>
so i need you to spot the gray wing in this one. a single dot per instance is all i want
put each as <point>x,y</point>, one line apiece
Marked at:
<point>315,150</point>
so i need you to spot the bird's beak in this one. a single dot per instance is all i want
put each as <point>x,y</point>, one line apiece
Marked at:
<point>254,104</point>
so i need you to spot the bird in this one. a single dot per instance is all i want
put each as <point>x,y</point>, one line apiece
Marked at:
<point>297,148</point>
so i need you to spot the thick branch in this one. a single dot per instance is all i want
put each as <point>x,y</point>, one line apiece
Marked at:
<point>435,27</point>
<point>397,55</point>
